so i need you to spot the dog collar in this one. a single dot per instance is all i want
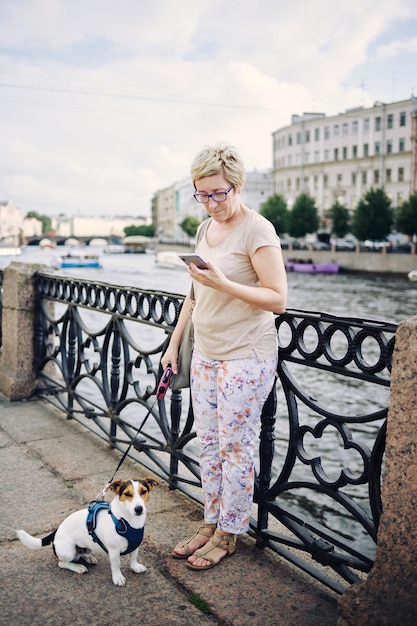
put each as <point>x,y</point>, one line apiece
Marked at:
<point>133,536</point>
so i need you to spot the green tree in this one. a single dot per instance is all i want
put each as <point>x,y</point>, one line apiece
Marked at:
<point>45,219</point>
<point>407,216</point>
<point>189,225</point>
<point>340,219</point>
<point>372,218</point>
<point>303,217</point>
<point>276,211</point>
<point>145,230</point>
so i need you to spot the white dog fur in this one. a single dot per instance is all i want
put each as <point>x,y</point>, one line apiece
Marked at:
<point>72,541</point>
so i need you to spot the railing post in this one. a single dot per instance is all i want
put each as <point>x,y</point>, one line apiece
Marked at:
<point>17,367</point>
<point>266,456</point>
<point>388,596</point>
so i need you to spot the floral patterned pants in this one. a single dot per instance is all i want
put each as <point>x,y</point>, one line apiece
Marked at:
<point>228,397</point>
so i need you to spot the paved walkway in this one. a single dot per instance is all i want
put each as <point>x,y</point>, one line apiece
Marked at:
<point>50,467</point>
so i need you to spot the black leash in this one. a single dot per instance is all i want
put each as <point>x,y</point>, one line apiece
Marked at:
<point>160,395</point>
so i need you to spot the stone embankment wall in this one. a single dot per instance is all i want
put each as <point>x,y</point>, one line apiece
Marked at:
<point>384,262</point>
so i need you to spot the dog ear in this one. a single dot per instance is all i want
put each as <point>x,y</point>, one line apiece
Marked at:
<point>115,486</point>
<point>151,482</point>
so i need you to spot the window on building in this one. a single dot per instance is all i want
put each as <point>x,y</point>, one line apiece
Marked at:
<point>366,125</point>
<point>389,146</point>
<point>297,184</point>
<point>345,153</point>
<point>336,154</point>
<point>326,132</point>
<point>403,118</point>
<point>376,177</point>
<point>290,140</point>
<point>345,129</point>
<point>354,152</point>
<point>355,127</point>
<point>400,198</point>
<point>390,120</point>
<point>353,178</point>
<point>377,147</point>
<point>401,144</point>
<point>326,155</point>
<point>400,174</point>
<point>317,134</point>
<point>288,183</point>
<point>364,177</point>
<point>325,180</point>
<point>339,179</point>
<point>298,137</point>
<point>307,157</point>
<point>336,130</point>
<point>316,156</point>
<point>307,136</point>
<point>316,182</point>
<point>377,123</point>
<point>289,160</point>
<point>388,176</point>
<point>366,149</point>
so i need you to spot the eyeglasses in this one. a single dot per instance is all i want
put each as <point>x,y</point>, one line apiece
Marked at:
<point>217,196</point>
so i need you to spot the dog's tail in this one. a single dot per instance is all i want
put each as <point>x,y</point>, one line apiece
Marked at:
<point>33,542</point>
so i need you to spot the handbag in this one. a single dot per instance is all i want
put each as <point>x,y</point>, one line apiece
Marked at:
<point>181,380</point>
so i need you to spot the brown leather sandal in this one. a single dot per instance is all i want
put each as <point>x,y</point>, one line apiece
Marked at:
<point>224,542</point>
<point>207,530</point>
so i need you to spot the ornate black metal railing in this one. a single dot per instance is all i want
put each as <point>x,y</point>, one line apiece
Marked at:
<point>317,495</point>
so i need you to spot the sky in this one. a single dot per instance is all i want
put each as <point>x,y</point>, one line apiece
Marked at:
<point>103,103</point>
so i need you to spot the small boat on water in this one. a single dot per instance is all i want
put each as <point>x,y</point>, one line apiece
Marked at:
<point>79,259</point>
<point>114,248</point>
<point>309,267</point>
<point>10,251</point>
<point>169,259</point>
<point>412,275</point>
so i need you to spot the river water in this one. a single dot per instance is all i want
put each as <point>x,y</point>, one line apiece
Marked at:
<point>367,296</point>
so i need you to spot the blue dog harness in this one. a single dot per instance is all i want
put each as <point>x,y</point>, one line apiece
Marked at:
<point>133,536</point>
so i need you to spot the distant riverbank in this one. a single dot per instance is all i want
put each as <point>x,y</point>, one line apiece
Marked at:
<point>378,262</point>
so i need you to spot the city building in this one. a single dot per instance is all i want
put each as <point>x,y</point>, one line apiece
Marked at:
<point>11,224</point>
<point>70,226</point>
<point>340,158</point>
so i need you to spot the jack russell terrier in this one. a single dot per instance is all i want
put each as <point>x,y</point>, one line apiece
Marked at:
<point>116,527</point>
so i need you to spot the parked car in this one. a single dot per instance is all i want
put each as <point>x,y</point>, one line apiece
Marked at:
<point>370,244</point>
<point>344,243</point>
<point>321,245</point>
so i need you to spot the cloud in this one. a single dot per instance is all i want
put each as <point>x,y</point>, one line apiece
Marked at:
<point>101,104</point>
<point>395,48</point>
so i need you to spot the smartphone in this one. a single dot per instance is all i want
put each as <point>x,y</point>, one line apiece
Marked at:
<point>164,384</point>
<point>194,258</point>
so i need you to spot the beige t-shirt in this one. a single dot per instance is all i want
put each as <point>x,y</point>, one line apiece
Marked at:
<point>224,327</point>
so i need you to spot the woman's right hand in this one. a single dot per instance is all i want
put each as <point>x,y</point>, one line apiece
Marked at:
<point>170,358</point>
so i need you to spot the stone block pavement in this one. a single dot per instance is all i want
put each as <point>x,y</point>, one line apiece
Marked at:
<point>51,467</point>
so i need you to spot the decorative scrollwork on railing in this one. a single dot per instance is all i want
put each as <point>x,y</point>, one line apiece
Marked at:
<point>322,438</point>
<point>333,458</point>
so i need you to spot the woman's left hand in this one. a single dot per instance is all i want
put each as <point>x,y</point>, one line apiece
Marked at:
<point>211,277</point>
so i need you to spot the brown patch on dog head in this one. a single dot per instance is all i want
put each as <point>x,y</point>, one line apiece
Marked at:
<point>115,486</point>
<point>124,488</point>
<point>151,482</point>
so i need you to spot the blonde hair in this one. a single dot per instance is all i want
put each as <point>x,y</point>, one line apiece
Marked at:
<point>222,158</point>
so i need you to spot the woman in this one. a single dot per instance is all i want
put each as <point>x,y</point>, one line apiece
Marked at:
<point>235,350</point>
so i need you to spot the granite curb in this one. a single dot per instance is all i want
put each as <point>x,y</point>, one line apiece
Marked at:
<point>52,467</point>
